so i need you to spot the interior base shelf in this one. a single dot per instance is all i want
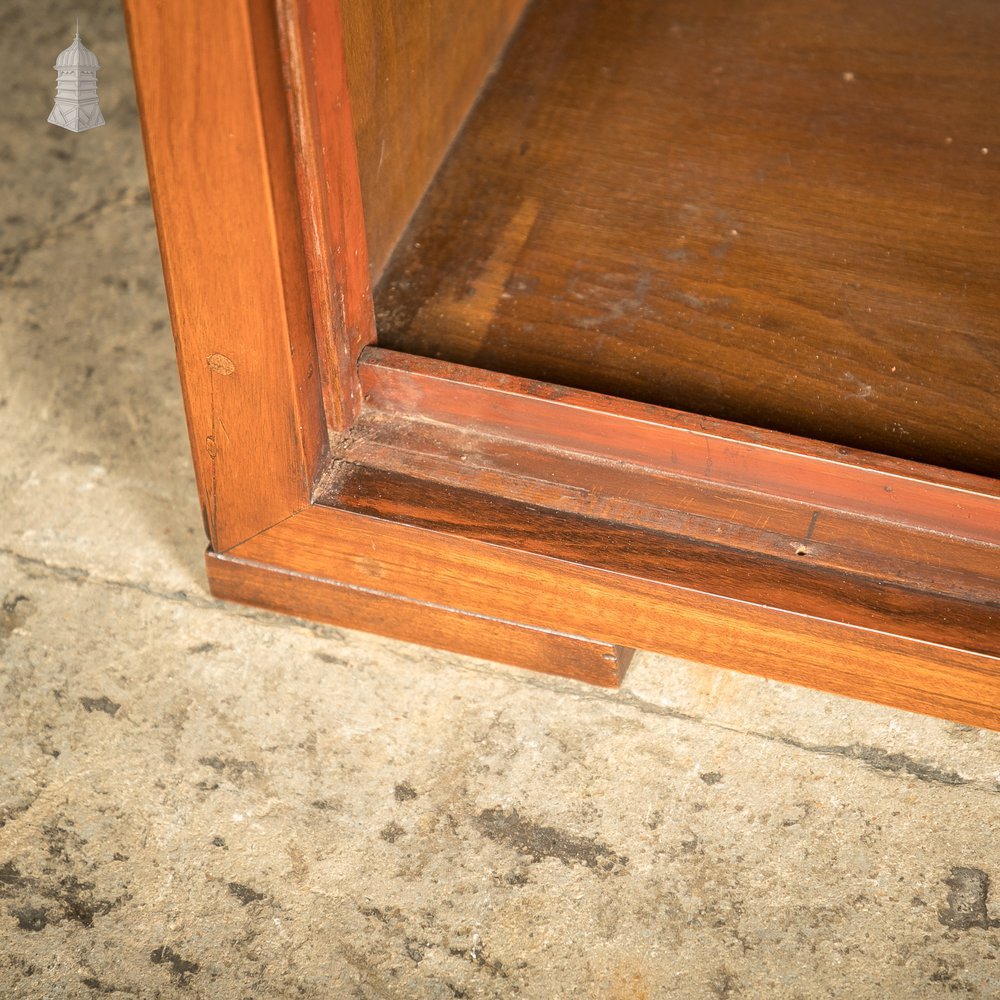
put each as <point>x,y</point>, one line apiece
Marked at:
<point>781,214</point>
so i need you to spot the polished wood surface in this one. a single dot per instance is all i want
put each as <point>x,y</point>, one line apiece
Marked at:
<point>415,68</point>
<point>431,624</point>
<point>712,567</point>
<point>782,213</point>
<point>562,488</point>
<point>527,522</point>
<point>212,103</point>
<point>329,191</point>
<point>418,559</point>
<point>662,441</point>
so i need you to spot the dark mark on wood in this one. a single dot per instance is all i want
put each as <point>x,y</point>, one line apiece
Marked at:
<point>802,549</point>
<point>812,525</point>
<point>538,842</point>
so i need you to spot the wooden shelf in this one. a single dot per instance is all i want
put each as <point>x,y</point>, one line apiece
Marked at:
<point>783,215</point>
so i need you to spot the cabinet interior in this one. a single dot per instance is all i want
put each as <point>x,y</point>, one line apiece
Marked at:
<point>781,213</point>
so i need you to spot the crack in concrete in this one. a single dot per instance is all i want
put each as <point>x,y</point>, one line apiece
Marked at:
<point>77,575</point>
<point>873,758</point>
<point>881,760</point>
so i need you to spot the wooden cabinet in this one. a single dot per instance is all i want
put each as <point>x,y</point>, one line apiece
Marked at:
<point>549,332</point>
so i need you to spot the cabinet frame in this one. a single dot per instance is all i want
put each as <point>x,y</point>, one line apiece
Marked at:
<point>332,473</point>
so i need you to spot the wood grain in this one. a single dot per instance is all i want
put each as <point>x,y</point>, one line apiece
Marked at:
<point>725,519</point>
<point>214,120</point>
<point>431,624</point>
<point>782,213</point>
<point>724,566</point>
<point>667,441</point>
<point>330,198</point>
<point>542,524</point>
<point>499,578</point>
<point>415,68</point>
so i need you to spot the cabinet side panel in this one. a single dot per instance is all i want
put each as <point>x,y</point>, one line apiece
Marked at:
<point>214,121</point>
<point>415,70</point>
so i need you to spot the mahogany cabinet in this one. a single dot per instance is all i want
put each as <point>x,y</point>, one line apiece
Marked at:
<point>546,332</point>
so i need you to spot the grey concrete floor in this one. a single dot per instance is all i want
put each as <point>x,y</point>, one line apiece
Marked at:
<point>201,800</point>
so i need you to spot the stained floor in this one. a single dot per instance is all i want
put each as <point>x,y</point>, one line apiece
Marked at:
<point>200,800</point>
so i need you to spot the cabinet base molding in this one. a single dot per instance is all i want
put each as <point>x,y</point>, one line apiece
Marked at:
<point>600,663</point>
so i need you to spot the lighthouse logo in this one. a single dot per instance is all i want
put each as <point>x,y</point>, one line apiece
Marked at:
<point>76,106</point>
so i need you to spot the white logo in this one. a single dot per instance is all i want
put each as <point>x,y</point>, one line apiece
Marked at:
<point>76,106</point>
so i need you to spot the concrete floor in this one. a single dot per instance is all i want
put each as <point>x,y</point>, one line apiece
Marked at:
<point>206,801</point>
